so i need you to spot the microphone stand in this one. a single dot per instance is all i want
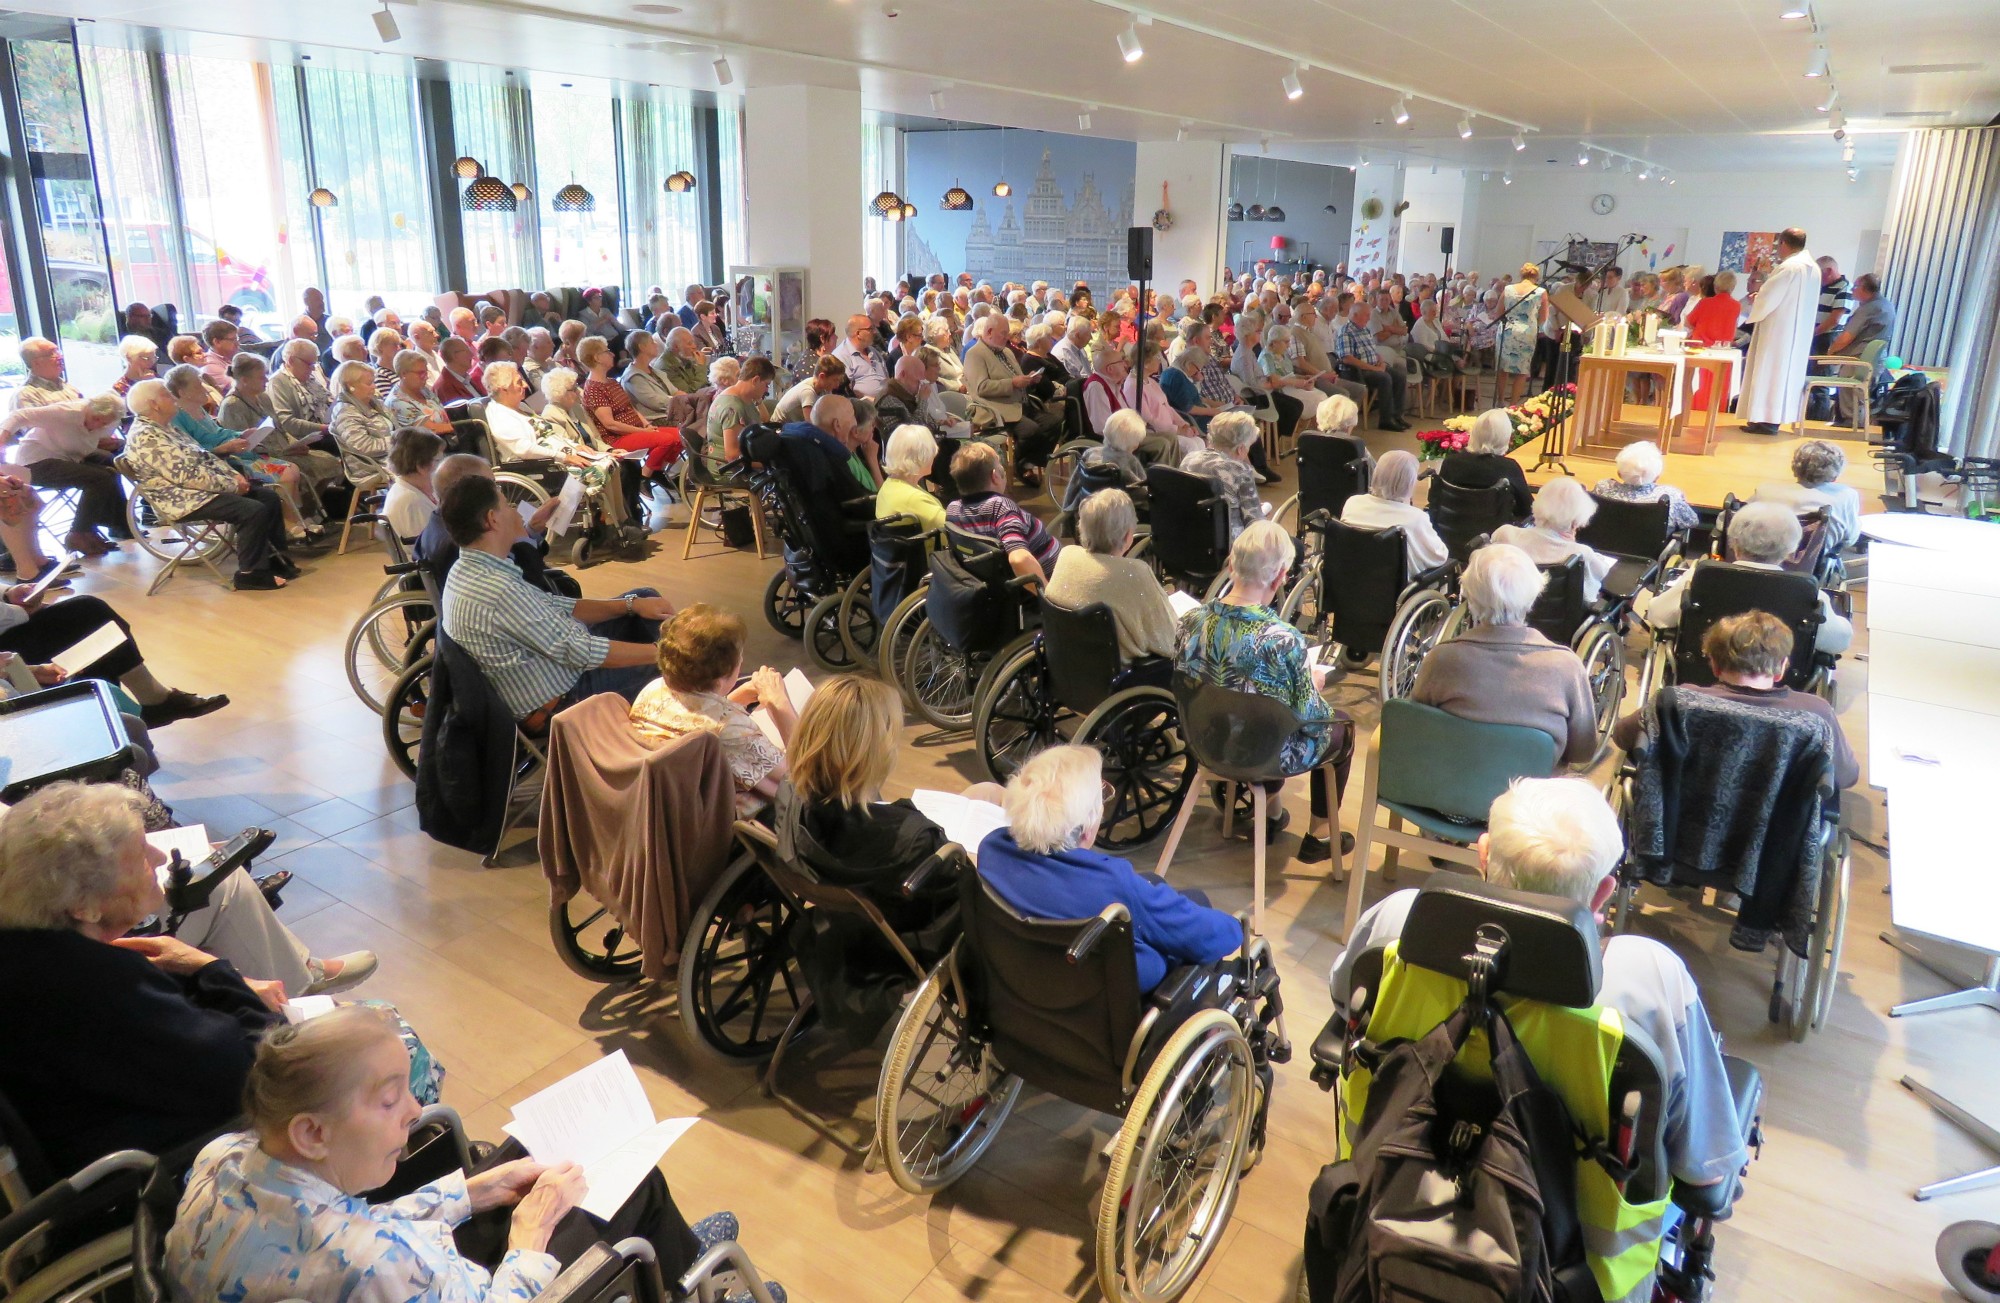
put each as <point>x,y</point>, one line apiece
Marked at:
<point>1555,437</point>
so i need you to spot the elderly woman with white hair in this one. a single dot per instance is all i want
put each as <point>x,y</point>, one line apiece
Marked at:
<point>1225,463</point>
<point>1124,433</point>
<point>1561,508</point>
<point>1100,571</point>
<point>1763,535</point>
<point>1501,671</point>
<point>1043,865</point>
<point>1387,505</point>
<point>910,455</point>
<point>1238,642</point>
<point>184,481</point>
<point>1485,462</point>
<point>1638,480</point>
<point>68,445</point>
<point>1816,469</point>
<point>938,340</point>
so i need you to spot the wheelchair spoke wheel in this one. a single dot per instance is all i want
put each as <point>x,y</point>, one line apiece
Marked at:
<point>1303,609</point>
<point>857,621</point>
<point>384,641</point>
<point>97,1271</point>
<point>165,541</point>
<point>1175,1164</point>
<point>940,681</point>
<point>1829,935</point>
<point>785,607</point>
<point>825,648</point>
<point>1418,627</point>
<point>1016,716</point>
<point>1603,655</point>
<point>1147,766</point>
<point>739,981</point>
<point>403,714</point>
<point>942,1097</point>
<point>591,940</point>
<point>892,647</point>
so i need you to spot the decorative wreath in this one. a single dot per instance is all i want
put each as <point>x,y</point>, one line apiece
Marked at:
<point>1371,207</point>
<point>1163,219</point>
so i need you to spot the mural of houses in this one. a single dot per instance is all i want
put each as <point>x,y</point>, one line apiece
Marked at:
<point>1051,239</point>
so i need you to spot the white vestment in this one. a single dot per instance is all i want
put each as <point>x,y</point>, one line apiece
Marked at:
<point>1784,311</point>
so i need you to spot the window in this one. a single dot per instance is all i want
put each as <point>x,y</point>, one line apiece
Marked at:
<point>575,143</point>
<point>662,231</point>
<point>233,187</point>
<point>366,148</point>
<point>66,200</point>
<point>491,122</point>
<point>881,169</point>
<point>735,219</point>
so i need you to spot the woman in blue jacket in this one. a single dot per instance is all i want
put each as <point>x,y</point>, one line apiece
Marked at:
<point>1043,866</point>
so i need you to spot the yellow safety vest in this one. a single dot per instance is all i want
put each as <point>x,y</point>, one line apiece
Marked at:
<point>1573,1050</point>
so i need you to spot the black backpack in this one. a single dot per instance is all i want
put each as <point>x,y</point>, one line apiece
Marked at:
<point>1457,1191</point>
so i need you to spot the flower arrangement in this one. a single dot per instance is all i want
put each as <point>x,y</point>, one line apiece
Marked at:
<point>1532,419</point>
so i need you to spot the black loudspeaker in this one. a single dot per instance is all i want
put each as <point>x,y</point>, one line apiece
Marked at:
<point>1445,245</point>
<point>1139,253</point>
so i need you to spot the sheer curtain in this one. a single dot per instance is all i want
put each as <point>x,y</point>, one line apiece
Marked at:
<point>494,123</point>
<point>881,169</point>
<point>127,149</point>
<point>662,231</point>
<point>575,143</point>
<point>233,187</point>
<point>729,152</point>
<point>366,148</point>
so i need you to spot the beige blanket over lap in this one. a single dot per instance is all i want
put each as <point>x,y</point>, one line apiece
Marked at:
<point>644,829</point>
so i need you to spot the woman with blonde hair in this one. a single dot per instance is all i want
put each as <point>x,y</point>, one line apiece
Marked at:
<point>701,690</point>
<point>1523,308</point>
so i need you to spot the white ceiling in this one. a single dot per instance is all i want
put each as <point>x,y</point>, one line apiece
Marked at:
<point>1693,84</point>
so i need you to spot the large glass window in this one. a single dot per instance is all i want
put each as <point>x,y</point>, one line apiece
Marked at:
<point>729,147</point>
<point>366,148</point>
<point>575,145</point>
<point>491,122</point>
<point>66,203</point>
<point>232,186</point>
<point>662,230</point>
<point>881,169</point>
<point>127,143</point>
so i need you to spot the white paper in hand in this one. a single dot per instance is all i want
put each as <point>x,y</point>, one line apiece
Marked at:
<point>598,1118</point>
<point>567,503</point>
<point>527,510</point>
<point>964,821</point>
<point>91,649</point>
<point>797,687</point>
<point>256,434</point>
<point>299,1008</point>
<point>1181,603</point>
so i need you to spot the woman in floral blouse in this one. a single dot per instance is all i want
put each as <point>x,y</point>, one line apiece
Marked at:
<point>1238,642</point>
<point>190,390</point>
<point>182,480</point>
<point>701,658</point>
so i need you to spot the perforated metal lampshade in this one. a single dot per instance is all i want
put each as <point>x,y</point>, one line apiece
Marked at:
<point>323,198</point>
<point>1274,214</point>
<point>1254,213</point>
<point>888,203</point>
<point>489,194</point>
<point>680,183</point>
<point>956,200</point>
<point>573,198</point>
<point>521,191</point>
<point>466,167</point>
<point>1001,190</point>
<point>1236,212</point>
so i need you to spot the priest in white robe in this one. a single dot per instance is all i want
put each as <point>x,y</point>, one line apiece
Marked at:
<point>1784,311</point>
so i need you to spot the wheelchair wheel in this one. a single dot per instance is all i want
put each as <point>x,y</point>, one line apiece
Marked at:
<point>591,941</point>
<point>403,714</point>
<point>857,621</point>
<point>165,541</point>
<point>517,488</point>
<point>825,648</point>
<point>1419,626</point>
<point>1301,609</point>
<point>739,981</point>
<point>1822,964</point>
<point>1966,1253</point>
<point>1016,713</point>
<point>892,645</point>
<point>99,1271</point>
<point>383,642</point>
<point>1175,1164</point>
<point>940,682</point>
<point>1289,509</point>
<point>1147,765</point>
<point>785,607</point>
<point>1602,652</point>
<point>943,1098</point>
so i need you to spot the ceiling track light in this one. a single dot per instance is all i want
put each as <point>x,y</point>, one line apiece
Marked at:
<point>1645,174</point>
<point>1083,121</point>
<point>723,76</point>
<point>1128,44</point>
<point>1816,62</point>
<point>1583,156</point>
<point>1293,86</point>
<point>1506,178</point>
<point>1400,111</point>
<point>1832,98</point>
<point>1790,11</point>
<point>1465,126</point>
<point>385,25</point>
<point>1520,141</point>
<point>1180,133</point>
<point>937,101</point>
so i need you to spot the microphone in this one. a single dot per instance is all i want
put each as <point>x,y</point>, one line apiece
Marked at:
<point>1636,238</point>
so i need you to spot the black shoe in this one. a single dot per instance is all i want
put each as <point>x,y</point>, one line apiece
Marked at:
<point>284,567</point>
<point>180,705</point>
<point>1312,849</point>
<point>272,885</point>
<point>1275,824</point>
<point>256,582</point>
<point>1759,427</point>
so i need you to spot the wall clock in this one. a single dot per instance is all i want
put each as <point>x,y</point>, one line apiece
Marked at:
<point>1603,204</point>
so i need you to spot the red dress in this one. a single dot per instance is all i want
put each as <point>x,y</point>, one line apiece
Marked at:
<point>1711,321</point>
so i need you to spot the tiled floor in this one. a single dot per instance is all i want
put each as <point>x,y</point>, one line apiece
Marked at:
<point>466,954</point>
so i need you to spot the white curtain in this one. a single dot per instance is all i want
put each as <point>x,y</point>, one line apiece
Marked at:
<point>881,169</point>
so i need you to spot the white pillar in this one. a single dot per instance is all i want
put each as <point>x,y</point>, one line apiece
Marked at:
<point>1376,243</point>
<point>1196,174</point>
<point>1435,203</point>
<point>802,189</point>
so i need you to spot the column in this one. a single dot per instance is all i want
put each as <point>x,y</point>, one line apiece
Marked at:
<point>1196,174</point>
<point>1376,243</point>
<point>802,184</point>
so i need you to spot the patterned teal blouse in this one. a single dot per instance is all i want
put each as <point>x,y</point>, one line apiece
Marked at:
<point>253,1230</point>
<point>1249,649</point>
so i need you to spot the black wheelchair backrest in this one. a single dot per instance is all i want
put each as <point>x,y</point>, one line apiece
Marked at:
<point>1235,734</point>
<point>1362,576</point>
<point>1560,609</point>
<point>1332,469</point>
<point>1724,588</point>
<point>970,610</point>
<point>760,443</point>
<point>1064,1026</point>
<point>1081,647</point>
<point>1552,952</point>
<point>897,549</point>
<point>1629,529</point>
<point>1190,523</point>
<point>1460,514</point>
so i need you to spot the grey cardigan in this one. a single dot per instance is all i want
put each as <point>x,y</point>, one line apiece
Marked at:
<point>1511,674</point>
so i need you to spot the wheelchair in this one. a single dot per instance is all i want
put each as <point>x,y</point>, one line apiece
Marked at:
<point>1054,1003</point>
<point>1816,555</point>
<point>393,633</point>
<point>899,549</point>
<point>1725,588</point>
<point>1190,531</point>
<point>823,581</point>
<point>1356,597</point>
<point>1332,469</point>
<point>1539,959</point>
<point>1461,515</point>
<point>66,1238</point>
<point>1069,670</point>
<point>972,607</point>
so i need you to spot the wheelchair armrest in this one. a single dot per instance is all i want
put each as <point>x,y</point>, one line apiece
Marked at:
<point>1712,1201</point>
<point>1746,1092</point>
<point>1329,1052</point>
<point>1317,522</point>
<point>395,568</point>
<point>949,853</point>
<point>1096,928</point>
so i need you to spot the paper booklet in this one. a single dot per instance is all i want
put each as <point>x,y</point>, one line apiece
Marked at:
<point>1181,603</point>
<point>192,842</point>
<point>567,503</point>
<point>964,820</point>
<point>257,433</point>
<point>800,689</point>
<point>600,1119</point>
<point>93,648</point>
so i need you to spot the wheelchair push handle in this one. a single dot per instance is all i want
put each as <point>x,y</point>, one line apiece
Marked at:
<point>1080,949</point>
<point>949,853</point>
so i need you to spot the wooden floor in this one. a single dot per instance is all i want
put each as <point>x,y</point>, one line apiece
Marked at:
<point>465,953</point>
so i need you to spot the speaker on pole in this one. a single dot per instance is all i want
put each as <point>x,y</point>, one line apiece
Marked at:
<point>1449,233</point>
<point>1139,253</point>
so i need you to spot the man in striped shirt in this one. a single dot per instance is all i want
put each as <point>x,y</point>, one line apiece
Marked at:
<point>540,652</point>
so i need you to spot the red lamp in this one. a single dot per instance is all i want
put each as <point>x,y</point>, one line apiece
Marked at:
<point>1278,243</point>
